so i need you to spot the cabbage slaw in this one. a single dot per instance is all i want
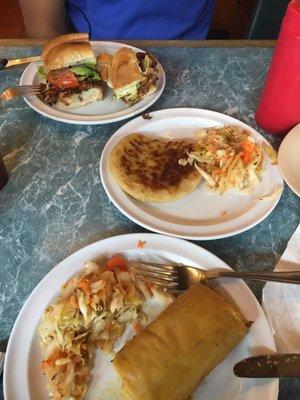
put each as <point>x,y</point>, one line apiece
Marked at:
<point>92,310</point>
<point>228,158</point>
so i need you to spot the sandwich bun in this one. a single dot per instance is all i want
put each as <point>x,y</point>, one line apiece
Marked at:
<point>67,50</point>
<point>104,62</point>
<point>70,37</point>
<point>123,68</point>
<point>75,100</point>
<point>132,76</point>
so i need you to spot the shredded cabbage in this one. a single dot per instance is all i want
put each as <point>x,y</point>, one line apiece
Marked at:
<point>227,158</point>
<point>92,310</point>
<point>129,91</point>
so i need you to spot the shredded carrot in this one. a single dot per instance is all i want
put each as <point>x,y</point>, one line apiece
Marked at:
<point>84,285</point>
<point>73,300</point>
<point>248,146</point>
<point>140,244</point>
<point>218,171</point>
<point>92,304</point>
<point>248,149</point>
<point>246,157</point>
<point>50,361</point>
<point>117,261</point>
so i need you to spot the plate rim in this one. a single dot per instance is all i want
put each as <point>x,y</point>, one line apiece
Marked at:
<point>93,119</point>
<point>283,148</point>
<point>274,383</point>
<point>165,231</point>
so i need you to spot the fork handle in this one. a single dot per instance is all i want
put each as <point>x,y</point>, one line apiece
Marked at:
<point>288,277</point>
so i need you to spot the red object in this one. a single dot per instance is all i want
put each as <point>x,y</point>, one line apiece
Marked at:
<point>279,107</point>
<point>117,262</point>
<point>62,78</point>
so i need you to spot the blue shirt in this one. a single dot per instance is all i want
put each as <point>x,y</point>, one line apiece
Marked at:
<point>141,19</point>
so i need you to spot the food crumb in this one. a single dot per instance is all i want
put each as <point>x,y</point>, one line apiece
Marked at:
<point>146,115</point>
<point>140,244</point>
<point>223,213</point>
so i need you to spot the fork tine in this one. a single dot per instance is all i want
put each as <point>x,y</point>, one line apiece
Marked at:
<point>29,92</point>
<point>150,274</point>
<point>159,266</point>
<point>160,282</point>
<point>156,270</point>
<point>27,89</point>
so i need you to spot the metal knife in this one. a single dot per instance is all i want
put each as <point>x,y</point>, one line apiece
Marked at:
<point>4,63</point>
<point>3,345</point>
<point>269,366</point>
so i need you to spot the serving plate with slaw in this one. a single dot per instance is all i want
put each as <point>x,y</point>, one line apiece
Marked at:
<point>203,214</point>
<point>24,350</point>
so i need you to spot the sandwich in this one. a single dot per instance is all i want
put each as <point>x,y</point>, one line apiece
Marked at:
<point>69,68</point>
<point>132,76</point>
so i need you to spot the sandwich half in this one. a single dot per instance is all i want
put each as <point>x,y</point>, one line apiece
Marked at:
<point>69,67</point>
<point>131,75</point>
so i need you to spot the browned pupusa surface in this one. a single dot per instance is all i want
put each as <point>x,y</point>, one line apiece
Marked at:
<point>147,168</point>
<point>170,357</point>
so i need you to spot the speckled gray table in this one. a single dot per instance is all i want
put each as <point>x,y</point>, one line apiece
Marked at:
<point>55,204</point>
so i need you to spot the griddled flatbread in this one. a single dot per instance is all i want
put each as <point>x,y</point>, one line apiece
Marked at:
<point>147,168</point>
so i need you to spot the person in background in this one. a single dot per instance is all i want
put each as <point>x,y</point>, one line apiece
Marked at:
<point>119,19</point>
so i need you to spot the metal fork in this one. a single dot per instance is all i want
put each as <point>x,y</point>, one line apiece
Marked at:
<point>19,91</point>
<point>180,277</point>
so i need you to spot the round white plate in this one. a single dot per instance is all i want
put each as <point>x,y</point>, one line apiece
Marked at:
<point>22,376</point>
<point>202,214</point>
<point>289,159</point>
<point>100,112</point>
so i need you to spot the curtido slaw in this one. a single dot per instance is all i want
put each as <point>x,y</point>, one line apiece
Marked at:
<point>228,158</point>
<point>92,310</point>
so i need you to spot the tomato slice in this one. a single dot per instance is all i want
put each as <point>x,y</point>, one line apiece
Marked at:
<point>62,78</point>
<point>117,261</point>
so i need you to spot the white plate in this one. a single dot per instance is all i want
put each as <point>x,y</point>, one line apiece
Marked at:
<point>101,112</point>
<point>201,214</point>
<point>23,379</point>
<point>289,159</point>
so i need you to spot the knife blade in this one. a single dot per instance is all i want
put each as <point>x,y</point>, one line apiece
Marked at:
<point>269,366</point>
<point>4,63</point>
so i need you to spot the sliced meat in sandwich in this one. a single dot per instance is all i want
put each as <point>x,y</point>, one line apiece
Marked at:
<point>131,75</point>
<point>69,67</point>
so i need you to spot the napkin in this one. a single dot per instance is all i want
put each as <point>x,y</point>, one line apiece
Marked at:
<point>281,301</point>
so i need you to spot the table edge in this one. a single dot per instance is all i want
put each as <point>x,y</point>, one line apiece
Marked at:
<point>157,43</point>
